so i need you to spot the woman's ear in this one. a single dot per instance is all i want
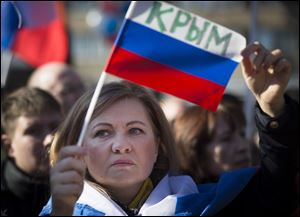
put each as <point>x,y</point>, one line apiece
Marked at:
<point>6,142</point>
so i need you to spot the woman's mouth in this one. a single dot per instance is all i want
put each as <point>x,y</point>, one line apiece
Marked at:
<point>123,162</point>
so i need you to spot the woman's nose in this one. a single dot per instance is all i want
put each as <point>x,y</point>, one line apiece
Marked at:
<point>121,144</point>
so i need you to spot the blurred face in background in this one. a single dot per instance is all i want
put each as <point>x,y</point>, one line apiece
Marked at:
<point>30,140</point>
<point>66,88</point>
<point>229,148</point>
<point>61,81</point>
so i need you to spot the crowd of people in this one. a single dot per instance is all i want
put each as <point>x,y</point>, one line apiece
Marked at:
<point>30,116</point>
<point>136,160</point>
<point>141,155</point>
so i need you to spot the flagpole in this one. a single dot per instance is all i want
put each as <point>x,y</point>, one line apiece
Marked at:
<point>91,108</point>
<point>6,59</point>
<point>100,84</point>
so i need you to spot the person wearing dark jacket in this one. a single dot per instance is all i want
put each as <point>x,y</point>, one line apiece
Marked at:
<point>271,190</point>
<point>29,117</point>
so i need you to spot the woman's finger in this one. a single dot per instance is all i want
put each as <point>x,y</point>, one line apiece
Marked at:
<point>272,58</point>
<point>68,177</point>
<point>67,190</point>
<point>71,151</point>
<point>69,164</point>
<point>259,59</point>
<point>283,65</point>
<point>251,48</point>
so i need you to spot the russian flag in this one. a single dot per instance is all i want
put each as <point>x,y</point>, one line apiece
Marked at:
<point>34,31</point>
<point>174,51</point>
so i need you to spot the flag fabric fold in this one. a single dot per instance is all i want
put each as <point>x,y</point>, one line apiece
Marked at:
<point>34,31</point>
<point>174,51</point>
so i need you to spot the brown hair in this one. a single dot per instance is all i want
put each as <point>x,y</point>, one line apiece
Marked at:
<point>194,129</point>
<point>26,101</point>
<point>111,93</point>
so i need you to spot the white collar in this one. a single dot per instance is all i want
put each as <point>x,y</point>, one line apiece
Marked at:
<point>99,201</point>
<point>161,201</point>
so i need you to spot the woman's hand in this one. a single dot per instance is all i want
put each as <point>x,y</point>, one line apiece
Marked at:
<point>66,179</point>
<point>266,74</point>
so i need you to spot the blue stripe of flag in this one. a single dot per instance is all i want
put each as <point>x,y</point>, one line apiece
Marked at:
<point>174,53</point>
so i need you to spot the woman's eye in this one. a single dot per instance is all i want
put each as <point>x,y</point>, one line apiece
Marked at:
<point>102,133</point>
<point>135,131</point>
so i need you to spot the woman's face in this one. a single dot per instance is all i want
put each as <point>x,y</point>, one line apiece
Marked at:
<point>122,148</point>
<point>229,148</point>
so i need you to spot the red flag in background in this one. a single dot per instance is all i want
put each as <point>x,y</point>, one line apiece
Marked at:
<point>41,37</point>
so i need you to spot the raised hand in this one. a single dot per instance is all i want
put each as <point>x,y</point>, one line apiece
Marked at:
<point>266,74</point>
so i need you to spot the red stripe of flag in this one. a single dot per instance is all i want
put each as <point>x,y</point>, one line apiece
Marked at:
<point>43,44</point>
<point>138,69</point>
<point>42,37</point>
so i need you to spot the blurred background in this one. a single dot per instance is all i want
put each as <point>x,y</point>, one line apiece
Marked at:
<point>92,26</point>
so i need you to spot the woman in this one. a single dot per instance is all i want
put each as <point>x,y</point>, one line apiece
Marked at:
<point>126,165</point>
<point>211,143</point>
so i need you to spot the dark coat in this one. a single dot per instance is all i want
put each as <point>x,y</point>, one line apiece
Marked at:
<point>21,195</point>
<point>271,191</point>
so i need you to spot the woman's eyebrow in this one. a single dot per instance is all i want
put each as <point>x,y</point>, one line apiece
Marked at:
<point>110,125</point>
<point>135,122</point>
<point>102,124</point>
